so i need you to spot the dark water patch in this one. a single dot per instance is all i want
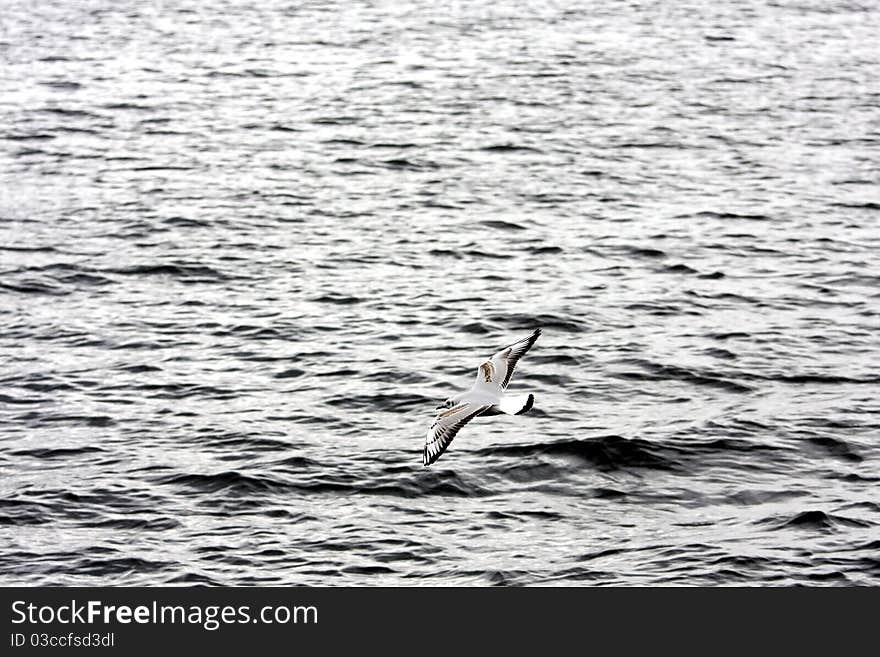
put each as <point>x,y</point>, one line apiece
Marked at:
<point>278,127</point>
<point>61,275</point>
<point>148,168</point>
<point>291,373</point>
<point>723,354</point>
<point>35,287</point>
<point>503,577</point>
<point>194,579</point>
<point>543,250</point>
<point>563,359</point>
<point>336,120</point>
<point>476,328</point>
<point>599,554</point>
<point>250,332</point>
<point>679,269</point>
<point>477,253</point>
<point>80,130</point>
<point>383,402</point>
<point>345,372</point>
<point>82,279</point>
<point>815,520</point>
<point>546,321</point>
<point>409,164</point>
<point>509,148</point>
<point>31,136</point>
<point>138,524</point>
<point>140,368</point>
<point>865,505</point>
<point>648,144</point>
<point>432,203</point>
<point>393,145</point>
<point>524,515</point>
<point>108,567</point>
<point>728,335</point>
<point>9,399</point>
<point>435,482</point>
<point>582,575</point>
<point>23,512</point>
<point>553,379</point>
<point>447,253</point>
<point>234,441</point>
<point>606,493</point>
<point>711,214</point>
<point>836,447</point>
<point>127,106</point>
<point>745,568</point>
<point>186,390</point>
<point>337,299</point>
<point>659,372</point>
<point>344,142</point>
<point>867,205</point>
<point>855,477</point>
<point>56,453</point>
<point>830,576</point>
<point>821,379</point>
<point>644,252</point>
<point>230,481</point>
<point>299,463</point>
<point>367,570</point>
<point>548,200</point>
<point>659,309</point>
<point>607,453</point>
<point>183,272</point>
<point>186,222</point>
<point>61,418</point>
<point>31,152</point>
<point>502,225</point>
<point>403,555</point>
<point>69,113</point>
<point>289,515</point>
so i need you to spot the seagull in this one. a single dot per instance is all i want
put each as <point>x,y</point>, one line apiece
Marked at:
<point>486,397</point>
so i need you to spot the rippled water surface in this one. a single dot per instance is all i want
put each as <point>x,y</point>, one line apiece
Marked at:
<point>246,248</point>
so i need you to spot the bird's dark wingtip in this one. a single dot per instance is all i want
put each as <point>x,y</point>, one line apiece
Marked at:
<point>529,403</point>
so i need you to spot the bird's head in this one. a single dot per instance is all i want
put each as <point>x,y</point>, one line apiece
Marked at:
<point>447,404</point>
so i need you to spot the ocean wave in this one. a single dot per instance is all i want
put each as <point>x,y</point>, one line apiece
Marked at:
<point>435,482</point>
<point>652,371</point>
<point>605,452</point>
<point>815,520</point>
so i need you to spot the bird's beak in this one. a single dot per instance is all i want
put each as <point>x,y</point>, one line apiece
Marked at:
<point>441,406</point>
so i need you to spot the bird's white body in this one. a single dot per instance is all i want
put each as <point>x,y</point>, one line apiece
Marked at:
<point>486,397</point>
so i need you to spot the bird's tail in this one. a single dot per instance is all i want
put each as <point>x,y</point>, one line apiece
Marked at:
<point>516,404</point>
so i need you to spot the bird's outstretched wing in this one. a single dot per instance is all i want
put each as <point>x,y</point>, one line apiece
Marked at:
<point>445,426</point>
<point>497,371</point>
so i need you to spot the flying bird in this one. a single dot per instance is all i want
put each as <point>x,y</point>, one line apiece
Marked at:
<point>486,397</point>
